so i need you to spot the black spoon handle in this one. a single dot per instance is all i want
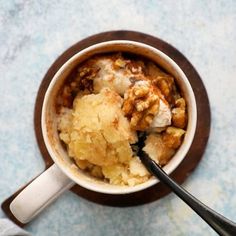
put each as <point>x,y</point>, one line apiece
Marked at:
<point>219,223</point>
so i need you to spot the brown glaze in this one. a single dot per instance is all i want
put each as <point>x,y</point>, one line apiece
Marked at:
<point>187,165</point>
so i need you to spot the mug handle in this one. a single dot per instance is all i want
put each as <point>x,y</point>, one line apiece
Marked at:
<point>40,193</point>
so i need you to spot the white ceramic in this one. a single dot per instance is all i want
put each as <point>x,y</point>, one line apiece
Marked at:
<point>63,175</point>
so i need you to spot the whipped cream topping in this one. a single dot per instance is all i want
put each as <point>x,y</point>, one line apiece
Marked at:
<point>117,80</point>
<point>163,117</point>
<point>141,83</point>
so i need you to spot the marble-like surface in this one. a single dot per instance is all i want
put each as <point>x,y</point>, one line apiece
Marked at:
<point>34,33</point>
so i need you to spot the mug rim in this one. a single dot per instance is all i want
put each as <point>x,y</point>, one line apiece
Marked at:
<point>185,145</point>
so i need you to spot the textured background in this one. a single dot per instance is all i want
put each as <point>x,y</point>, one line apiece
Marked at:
<point>34,33</point>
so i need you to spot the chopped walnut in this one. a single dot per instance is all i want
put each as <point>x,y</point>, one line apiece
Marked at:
<point>136,66</point>
<point>172,137</point>
<point>179,114</point>
<point>85,78</point>
<point>119,63</point>
<point>163,81</point>
<point>141,104</point>
<point>81,81</point>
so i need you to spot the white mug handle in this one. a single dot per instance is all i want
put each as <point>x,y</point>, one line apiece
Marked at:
<point>40,193</point>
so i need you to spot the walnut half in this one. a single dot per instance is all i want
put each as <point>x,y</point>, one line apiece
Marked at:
<point>179,114</point>
<point>165,82</point>
<point>141,104</point>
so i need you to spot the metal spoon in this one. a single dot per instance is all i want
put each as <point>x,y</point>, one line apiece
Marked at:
<point>219,223</point>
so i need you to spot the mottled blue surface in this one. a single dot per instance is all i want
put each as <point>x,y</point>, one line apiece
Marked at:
<point>34,33</point>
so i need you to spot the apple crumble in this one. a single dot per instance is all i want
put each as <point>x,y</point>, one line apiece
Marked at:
<point>105,101</point>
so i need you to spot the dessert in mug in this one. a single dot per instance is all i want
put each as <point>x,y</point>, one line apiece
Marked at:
<point>106,102</point>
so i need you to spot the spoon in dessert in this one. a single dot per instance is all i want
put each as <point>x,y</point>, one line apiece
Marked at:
<point>219,223</point>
